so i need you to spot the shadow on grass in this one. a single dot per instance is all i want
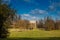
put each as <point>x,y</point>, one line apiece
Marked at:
<point>43,38</point>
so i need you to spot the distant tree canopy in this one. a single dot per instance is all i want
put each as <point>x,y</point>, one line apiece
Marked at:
<point>22,24</point>
<point>57,24</point>
<point>49,24</point>
<point>40,24</point>
<point>6,13</point>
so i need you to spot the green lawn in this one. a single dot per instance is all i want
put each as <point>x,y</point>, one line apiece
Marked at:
<point>34,35</point>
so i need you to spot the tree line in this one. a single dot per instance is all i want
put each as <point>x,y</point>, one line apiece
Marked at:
<point>49,24</point>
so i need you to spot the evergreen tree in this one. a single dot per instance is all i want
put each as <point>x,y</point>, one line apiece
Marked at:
<point>6,13</point>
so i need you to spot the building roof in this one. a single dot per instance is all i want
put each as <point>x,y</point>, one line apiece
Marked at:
<point>32,21</point>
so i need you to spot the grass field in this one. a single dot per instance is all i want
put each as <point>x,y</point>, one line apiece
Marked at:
<point>34,35</point>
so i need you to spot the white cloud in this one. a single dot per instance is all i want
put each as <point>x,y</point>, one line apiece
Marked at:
<point>42,11</point>
<point>33,17</point>
<point>29,17</point>
<point>33,14</point>
<point>32,2</point>
<point>26,15</point>
<point>53,6</point>
<point>58,12</point>
<point>7,1</point>
<point>38,11</point>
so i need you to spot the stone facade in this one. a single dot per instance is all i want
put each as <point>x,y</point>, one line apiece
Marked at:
<point>33,24</point>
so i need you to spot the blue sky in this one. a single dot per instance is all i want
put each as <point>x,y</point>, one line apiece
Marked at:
<point>36,9</point>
